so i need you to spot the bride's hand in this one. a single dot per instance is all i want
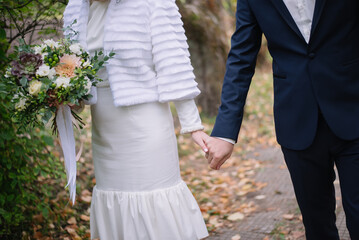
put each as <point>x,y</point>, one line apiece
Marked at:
<point>200,138</point>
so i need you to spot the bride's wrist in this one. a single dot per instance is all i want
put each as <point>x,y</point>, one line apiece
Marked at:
<point>196,131</point>
<point>191,129</point>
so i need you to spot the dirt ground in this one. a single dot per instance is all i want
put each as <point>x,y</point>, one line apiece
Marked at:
<point>277,215</point>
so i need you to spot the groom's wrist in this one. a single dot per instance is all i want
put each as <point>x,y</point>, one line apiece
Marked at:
<point>227,140</point>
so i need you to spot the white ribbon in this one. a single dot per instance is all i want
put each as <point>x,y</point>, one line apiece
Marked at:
<point>66,133</point>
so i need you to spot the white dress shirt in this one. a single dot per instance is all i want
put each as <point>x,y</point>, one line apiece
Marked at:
<point>302,12</point>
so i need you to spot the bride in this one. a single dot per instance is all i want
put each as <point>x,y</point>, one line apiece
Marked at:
<point>139,193</point>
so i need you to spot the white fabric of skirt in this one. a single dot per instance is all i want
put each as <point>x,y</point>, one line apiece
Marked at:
<point>139,193</point>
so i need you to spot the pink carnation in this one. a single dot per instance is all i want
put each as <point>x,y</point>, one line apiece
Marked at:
<point>67,65</point>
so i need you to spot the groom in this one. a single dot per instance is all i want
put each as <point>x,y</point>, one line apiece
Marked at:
<point>315,50</point>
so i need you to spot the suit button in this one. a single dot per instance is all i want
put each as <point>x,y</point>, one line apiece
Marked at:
<point>311,55</point>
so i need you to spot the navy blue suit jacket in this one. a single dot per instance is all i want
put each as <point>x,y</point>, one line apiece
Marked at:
<point>323,74</point>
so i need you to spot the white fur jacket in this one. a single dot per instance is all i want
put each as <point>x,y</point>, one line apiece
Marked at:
<point>152,59</point>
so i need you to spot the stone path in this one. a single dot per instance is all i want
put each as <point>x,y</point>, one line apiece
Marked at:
<point>279,200</point>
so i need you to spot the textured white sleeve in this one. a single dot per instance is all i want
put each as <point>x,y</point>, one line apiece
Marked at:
<point>175,78</point>
<point>188,115</point>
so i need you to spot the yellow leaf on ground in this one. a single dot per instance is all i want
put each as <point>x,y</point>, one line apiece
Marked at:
<point>85,193</point>
<point>236,216</point>
<point>236,237</point>
<point>86,199</point>
<point>85,218</point>
<point>288,216</point>
<point>71,231</point>
<point>72,221</point>
<point>260,197</point>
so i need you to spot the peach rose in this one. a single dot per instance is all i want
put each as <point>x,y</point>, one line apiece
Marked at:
<point>67,65</point>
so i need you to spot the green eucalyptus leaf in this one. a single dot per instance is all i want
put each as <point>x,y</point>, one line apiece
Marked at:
<point>23,81</point>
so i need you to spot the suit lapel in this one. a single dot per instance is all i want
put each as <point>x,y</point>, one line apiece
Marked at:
<point>319,6</point>
<point>283,10</point>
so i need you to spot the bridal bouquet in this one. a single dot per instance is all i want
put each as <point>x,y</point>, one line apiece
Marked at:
<point>47,80</point>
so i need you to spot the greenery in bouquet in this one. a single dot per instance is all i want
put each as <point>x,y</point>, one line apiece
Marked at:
<point>43,77</point>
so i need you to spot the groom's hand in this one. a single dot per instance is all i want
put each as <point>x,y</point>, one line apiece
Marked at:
<point>218,152</point>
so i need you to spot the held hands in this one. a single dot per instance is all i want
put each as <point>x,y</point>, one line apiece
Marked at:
<point>217,150</point>
<point>200,138</point>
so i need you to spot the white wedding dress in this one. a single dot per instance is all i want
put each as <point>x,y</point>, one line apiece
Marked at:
<point>139,193</point>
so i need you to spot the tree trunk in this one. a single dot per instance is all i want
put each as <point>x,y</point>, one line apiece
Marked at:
<point>208,27</point>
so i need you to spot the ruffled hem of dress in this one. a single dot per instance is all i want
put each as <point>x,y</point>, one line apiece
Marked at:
<point>162,214</point>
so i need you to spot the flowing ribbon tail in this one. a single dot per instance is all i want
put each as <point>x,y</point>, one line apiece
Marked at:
<point>66,133</point>
<point>78,155</point>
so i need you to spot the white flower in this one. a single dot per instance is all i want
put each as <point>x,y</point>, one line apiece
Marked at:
<point>52,73</point>
<point>43,55</point>
<point>18,95</point>
<point>46,71</point>
<point>86,64</point>
<point>88,85</point>
<point>35,87</point>
<point>43,71</point>
<point>8,72</point>
<point>76,48</point>
<point>51,43</point>
<point>21,104</point>
<point>38,49</point>
<point>62,81</point>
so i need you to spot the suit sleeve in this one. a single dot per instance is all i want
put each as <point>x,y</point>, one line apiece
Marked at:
<point>240,67</point>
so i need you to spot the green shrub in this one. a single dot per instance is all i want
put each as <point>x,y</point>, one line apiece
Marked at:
<point>26,165</point>
<point>25,162</point>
